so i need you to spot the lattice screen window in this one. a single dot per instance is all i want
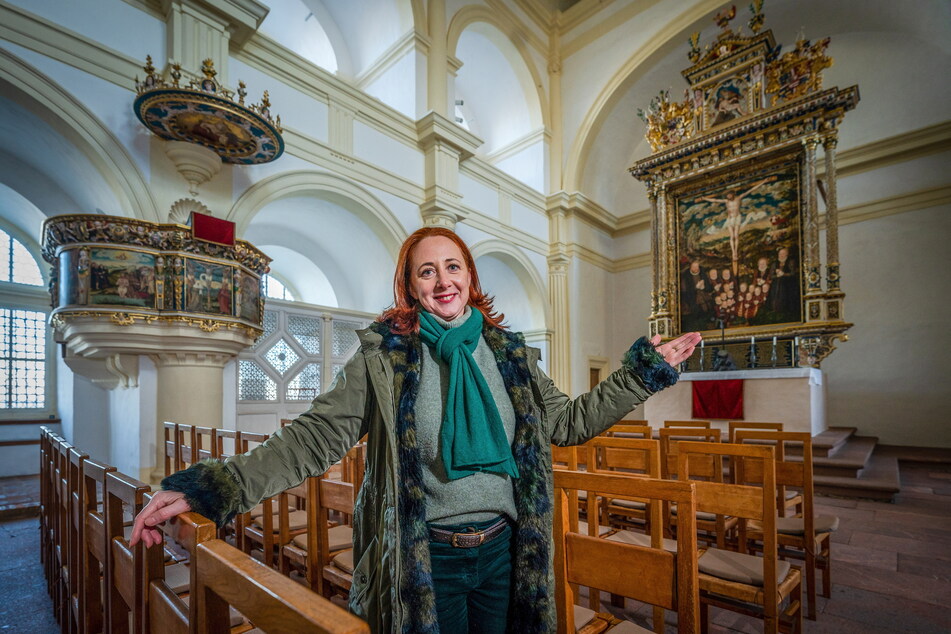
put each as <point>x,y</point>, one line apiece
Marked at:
<point>254,383</point>
<point>299,354</point>
<point>23,359</point>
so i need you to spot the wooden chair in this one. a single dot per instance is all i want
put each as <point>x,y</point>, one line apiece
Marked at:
<point>738,581</point>
<point>95,554</point>
<point>667,580</point>
<point>46,507</point>
<point>226,443</point>
<point>173,455</point>
<point>301,550</point>
<point>336,550</point>
<point>272,602</point>
<point>716,529</point>
<point>789,499</point>
<point>61,531</point>
<point>687,423</point>
<point>170,588</point>
<point>750,425</point>
<point>808,537</point>
<point>629,431</point>
<point>247,536</point>
<point>74,479</point>
<point>564,457</point>
<point>168,611</point>
<point>204,443</point>
<point>627,456</point>
<point>126,596</point>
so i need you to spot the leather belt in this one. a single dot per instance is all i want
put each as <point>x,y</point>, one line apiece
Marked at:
<point>467,539</point>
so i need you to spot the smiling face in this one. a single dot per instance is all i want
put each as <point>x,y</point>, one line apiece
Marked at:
<point>439,279</point>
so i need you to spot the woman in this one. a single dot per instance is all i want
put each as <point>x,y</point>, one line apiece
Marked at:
<point>452,527</point>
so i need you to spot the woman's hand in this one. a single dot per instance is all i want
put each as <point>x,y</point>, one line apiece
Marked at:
<point>164,506</point>
<point>678,350</point>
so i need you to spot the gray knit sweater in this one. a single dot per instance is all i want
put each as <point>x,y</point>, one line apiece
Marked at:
<point>480,496</point>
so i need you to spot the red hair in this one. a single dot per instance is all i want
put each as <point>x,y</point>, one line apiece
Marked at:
<point>403,317</point>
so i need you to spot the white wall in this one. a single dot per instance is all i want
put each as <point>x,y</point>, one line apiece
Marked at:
<point>891,379</point>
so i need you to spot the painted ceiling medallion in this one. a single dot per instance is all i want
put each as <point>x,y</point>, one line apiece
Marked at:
<point>206,113</point>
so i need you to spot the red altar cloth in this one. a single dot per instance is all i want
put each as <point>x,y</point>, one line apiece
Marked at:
<point>211,229</point>
<point>718,399</point>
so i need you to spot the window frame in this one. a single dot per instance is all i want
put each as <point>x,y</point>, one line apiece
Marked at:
<point>18,296</point>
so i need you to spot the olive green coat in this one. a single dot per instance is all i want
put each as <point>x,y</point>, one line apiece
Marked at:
<point>366,399</point>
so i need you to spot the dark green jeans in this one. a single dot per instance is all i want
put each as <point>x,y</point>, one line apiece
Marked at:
<point>473,584</point>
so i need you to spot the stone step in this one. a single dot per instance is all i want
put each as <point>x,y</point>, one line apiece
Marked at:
<point>879,481</point>
<point>826,444</point>
<point>849,461</point>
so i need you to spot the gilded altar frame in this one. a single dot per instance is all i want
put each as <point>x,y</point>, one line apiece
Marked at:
<point>750,114</point>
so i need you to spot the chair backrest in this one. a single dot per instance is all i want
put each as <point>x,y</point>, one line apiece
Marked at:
<point>629,455</point>
<point>274,603</point>
<point>125,569</point>
<point>740,500</point>
<point>226,443</point>
<point>663,578</point>
<point>789,473</point>
<point>564,457</point>
<point>734,425</point>
<point>95,555</point>
<point>687,423</point>
<point>74,479</point>
<point>167,612</point>
<point>670,441</point>
<point>624,430</point>
<point>204,445</point>
<point>173,453</point>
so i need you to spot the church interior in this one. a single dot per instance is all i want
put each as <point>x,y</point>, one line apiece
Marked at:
<point>202,201</point>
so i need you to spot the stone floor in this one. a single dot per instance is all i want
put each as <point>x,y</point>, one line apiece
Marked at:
<point>891,565</point>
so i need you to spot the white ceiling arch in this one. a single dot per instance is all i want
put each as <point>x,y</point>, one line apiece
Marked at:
<point>506,273</point>
<point>335,239</point>
<point>52,133</point>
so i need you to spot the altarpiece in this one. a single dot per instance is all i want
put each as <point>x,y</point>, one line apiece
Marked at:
<point>734,183</point>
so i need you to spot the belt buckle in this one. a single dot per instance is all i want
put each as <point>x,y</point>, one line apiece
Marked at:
<point>456,544</point>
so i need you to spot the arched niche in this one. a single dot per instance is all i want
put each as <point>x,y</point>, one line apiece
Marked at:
<point>300,26</point>
<point>346,234</point>
<point>51,134</point>
<point>495,51</point>
<point>507,274</point>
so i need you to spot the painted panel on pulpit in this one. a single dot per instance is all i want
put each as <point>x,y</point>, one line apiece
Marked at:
<point>73,277</point>
<point>250,307</point>
<point>208,287</point>
<point>739,251</point>
<point>123,277</point>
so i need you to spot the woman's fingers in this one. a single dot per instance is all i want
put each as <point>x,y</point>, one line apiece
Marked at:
<point>679,349</point>
<point>163,506</point>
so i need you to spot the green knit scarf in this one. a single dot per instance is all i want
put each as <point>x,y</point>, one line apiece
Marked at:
<point>472,437</point>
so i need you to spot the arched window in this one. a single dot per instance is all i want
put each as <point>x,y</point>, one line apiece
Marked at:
<point>275,289</point>
<point>16,263</point>
<point>25,366</point>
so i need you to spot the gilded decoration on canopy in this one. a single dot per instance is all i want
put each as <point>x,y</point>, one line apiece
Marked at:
<point>733,184</point>
<point>208,114</point>
<point>733,78</point>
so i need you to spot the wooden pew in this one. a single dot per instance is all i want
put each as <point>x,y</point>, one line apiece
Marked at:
<point>125,565</point>
<point>95,555</point>
<point>273,603</point>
